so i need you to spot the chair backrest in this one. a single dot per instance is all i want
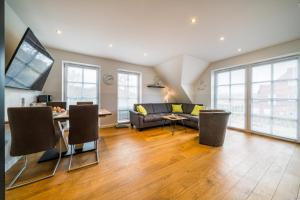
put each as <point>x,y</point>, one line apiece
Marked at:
<point>83,123</point>
<point>32,130</point>
<point>61,104</point>
<point>85,103</point>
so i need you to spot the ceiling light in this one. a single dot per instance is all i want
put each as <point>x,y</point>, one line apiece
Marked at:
<point>59,32</point>
<point>222,38</point>
<point>110,45</point>
<point>193,20</point>
<point>145,54</point>
<point>239,49</point>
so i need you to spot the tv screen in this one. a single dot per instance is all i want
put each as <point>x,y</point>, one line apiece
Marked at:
<point>30,65</point>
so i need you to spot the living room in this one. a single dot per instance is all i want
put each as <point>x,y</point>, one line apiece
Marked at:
<point>151,99</point>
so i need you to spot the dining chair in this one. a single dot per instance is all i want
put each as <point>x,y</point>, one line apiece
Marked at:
<point>32,131</point>
<point>85,103</point>
<point>61,104</point>
<point>83,121</point>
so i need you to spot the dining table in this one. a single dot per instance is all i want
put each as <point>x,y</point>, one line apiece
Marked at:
<point>61,118</point>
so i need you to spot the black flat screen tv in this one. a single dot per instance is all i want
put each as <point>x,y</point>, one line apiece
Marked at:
<point>30,65</point>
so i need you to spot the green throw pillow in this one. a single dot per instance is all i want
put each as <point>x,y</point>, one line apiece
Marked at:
<point>177,108</point>
<point>141,110</point>
<point>196,110</point>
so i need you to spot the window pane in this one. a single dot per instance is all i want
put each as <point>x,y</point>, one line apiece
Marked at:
<point>261,108</point>
<point>123,104</point>
<point>237,91</point>
<point>223,78</point>
<point>74,90</point>
<point>132,92</point>
<point>74,74</point>
<point>261,124</point>
<point>261,90</point>
<point>285,128</point>
<point>223,92</point>
<point>238,76</point>
<point>285,70</point>
<point>285,109</point>
<point>223,104</point>
<point>133,80</point>
<point>237,120</point>
<point>285,90</point>
<point>89,91</point>
<point>122,91</point>
<point>237,106</point>
<point>90,75</point>
<point>122,79</point>
<point>261,73</point>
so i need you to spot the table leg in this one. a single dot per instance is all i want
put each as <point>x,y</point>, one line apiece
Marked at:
<point>63,138</point>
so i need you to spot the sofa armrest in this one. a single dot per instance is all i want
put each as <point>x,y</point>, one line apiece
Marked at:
<point>136,118</point>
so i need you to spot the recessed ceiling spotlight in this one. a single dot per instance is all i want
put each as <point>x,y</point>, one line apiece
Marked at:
<point>110,45</point>
<point>59,32</point>
<point>193,20</point>
<point>239,49</point>
<point>222,38</point>
<point>145,54</point>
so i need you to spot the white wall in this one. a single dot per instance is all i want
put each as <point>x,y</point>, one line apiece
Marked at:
<point>203,84</point>
<point>14,30</point>
<point>181,73</point>
<point>170,71</point>
<point>108,93</point>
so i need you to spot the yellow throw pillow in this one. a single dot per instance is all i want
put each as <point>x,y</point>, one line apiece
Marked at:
<point>196,110</point>
<point>141,110</point>
<point>177,108</point>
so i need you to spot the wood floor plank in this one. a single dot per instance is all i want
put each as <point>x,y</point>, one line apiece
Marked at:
<point>288,187</point>
<point>271,179</point>
<point>153,164</point>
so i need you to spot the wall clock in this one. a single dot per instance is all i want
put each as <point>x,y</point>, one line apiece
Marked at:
<point>108,79</point>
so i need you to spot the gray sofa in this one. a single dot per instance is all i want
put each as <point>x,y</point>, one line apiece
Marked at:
<point>157,110</point>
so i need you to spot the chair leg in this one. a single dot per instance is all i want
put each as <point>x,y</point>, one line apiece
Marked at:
<point>12,183</point>
<point>86,165</point>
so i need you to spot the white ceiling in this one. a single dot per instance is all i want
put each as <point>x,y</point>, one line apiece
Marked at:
<point>161,28</point>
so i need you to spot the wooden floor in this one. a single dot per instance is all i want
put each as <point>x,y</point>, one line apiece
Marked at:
<point>153,164</point>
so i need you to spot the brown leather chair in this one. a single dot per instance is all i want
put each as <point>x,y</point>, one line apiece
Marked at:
<point>83,128</point>
<point>85,103</point>
<point>61,104</point>
<point>212,127</point>
<point>32,131</point>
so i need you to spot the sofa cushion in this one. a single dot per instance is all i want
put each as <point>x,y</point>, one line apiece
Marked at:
<point>152,117</point>
<point>147,106</point>
<point>188,108</point>
<point>190,117</point>
<point>160,108</point>
<point>141,110</point>
<point>196,110</point>
<point>177,108</point>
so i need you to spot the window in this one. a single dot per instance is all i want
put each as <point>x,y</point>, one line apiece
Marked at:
<point>81,83</point>
<point>230,95</point>
<point>128,93</point>
<point>272,103</point>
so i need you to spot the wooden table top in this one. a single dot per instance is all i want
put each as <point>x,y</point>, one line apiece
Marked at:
<point>65,115</point>
<point>173,117</point>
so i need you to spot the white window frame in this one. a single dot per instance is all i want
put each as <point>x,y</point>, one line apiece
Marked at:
<point>80,65</point>
<point>248,92</point>
<point>139,88</point>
